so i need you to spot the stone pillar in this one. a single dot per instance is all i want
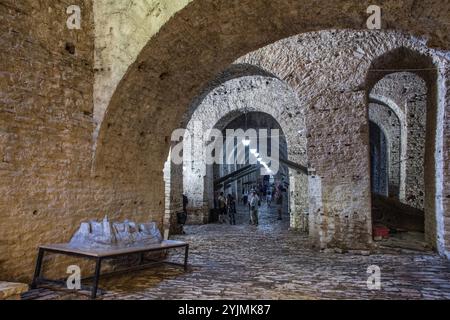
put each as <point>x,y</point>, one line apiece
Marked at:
<point>338,148</point>
<point>441,221</point>
<point>299,201</point>
<point>316,212</point>
<point>173,179</point>
<point>194,175</point>
<point>416,122</point>
<point>446,153</point>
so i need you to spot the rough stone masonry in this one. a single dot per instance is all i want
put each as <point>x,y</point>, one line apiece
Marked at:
<point>86,115</point>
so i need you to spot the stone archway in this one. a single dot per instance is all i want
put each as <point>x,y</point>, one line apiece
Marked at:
<point>405,93</point>
<point>201,188</point>
<point>387,109</point>
<point>268,140</point>
<point>243,88</point>
<point>421,108</point>
<point>127,32</point>
<point>343,224</point>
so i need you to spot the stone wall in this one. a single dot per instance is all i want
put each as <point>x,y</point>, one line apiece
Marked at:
<point>443,160</point>
<point>46,126</point>
<point>122,28</point>
<point>47,185</point>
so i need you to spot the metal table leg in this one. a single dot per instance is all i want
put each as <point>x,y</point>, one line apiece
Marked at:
<point>98,267</point>
<point>186,257</point>
<point>38,268</point>
<point>141,258</point>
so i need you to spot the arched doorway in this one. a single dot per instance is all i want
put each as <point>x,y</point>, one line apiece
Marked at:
<point>335,151</point>
<point>241,89</point>
<point>269,149</point>
<point>407,81</point>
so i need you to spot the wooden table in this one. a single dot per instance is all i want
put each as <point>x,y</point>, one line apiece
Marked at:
<point>98,255</point>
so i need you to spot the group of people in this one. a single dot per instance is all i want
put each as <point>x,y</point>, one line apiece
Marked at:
<point>227,205</point>
<point>227,208</point>
<point>272,193</point>
<point>252,200</point>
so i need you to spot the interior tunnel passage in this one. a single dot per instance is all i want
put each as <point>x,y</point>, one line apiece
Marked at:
<point>86,118</point>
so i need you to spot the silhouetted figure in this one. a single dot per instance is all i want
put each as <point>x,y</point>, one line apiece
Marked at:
<point>245,198</point>
<point>222,208</point>
<point>279,201</point>
<point>231,205</point>
<point>269,198</point>
<point>182,216</point>
<point>254,206</point>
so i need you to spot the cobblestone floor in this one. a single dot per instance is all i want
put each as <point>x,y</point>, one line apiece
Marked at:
<point>271,262</point>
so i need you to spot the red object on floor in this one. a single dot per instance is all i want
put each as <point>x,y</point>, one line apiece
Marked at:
<point>381,231</point>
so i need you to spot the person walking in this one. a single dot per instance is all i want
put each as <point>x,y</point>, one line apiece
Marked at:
<point>222,208</point>
<point>245,197</point>
<point>182,216</point>
<point>231,206</point>
<point>269,198</point>
<point>279,201</point>
<point>254,204</point>
<point>185,203</point>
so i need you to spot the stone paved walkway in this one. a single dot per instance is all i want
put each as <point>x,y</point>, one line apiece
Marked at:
<point>271,262</point>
